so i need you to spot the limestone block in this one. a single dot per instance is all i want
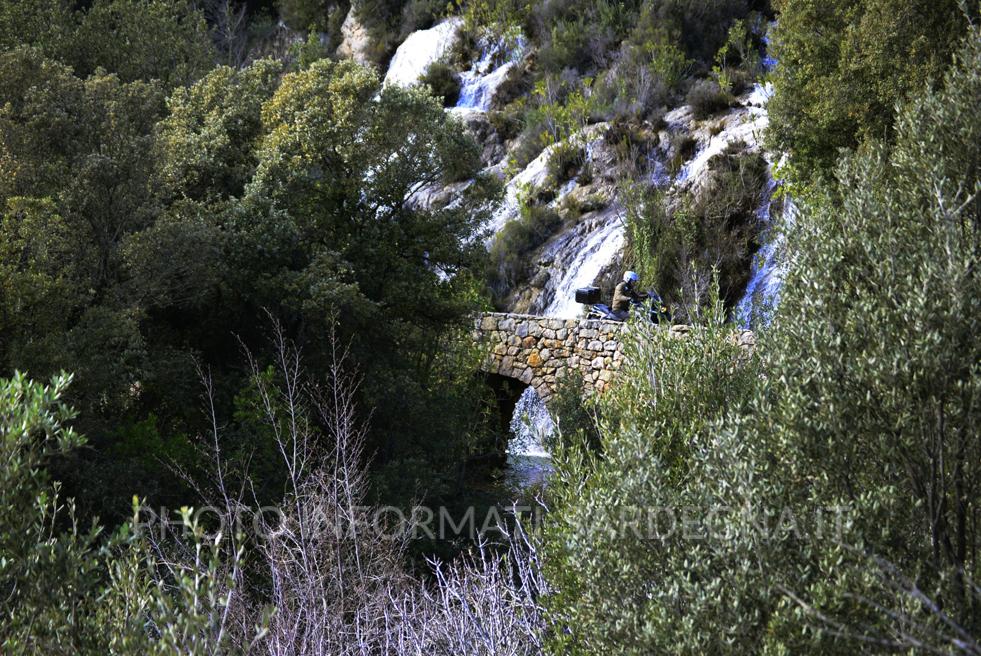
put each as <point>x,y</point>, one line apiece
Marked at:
<point>521,330</point>
<point>555,324</point>
<point>588,333</point>
<point>548,333</point>
<point>534,359</point>
<point>545,354</point>
<point>355,40</point>
<point>595,345</point>
<point>598,363</point>
<point>606,375</point>
<point>500,349</point>
<point>561,334</point>
<point>526,376</point>
<point>506,324</point>
<point>514,340</point>
<point>488,323</point>
<point>574,361</point>
<point>610,346</point>
<point>528,342</point>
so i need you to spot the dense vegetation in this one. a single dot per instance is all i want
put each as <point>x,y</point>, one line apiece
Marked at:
<point>180,218</point>
<point>819,494</point>
<point>846,65</point>
<point>150,230</point>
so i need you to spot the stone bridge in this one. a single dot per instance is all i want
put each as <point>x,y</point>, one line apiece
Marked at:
<point>539,351</point>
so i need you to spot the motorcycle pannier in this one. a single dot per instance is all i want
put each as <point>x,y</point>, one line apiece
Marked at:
<point>588,295</point>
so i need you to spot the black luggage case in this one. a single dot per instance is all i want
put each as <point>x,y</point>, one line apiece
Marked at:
<point>588,295</point>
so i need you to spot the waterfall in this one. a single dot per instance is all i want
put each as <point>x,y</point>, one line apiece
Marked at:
<point>600,248</point>
<point>529,461</point>
<point>421,49</point>
<point>479,84</point>
<point>763,291</point>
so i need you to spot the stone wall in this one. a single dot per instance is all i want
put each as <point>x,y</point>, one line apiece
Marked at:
<point>538,351</point>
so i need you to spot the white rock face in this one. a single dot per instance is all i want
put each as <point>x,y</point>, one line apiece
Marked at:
<point>535,175</point>
<point>419,50</point>
<point>355,39</point>
<point>745,123</point>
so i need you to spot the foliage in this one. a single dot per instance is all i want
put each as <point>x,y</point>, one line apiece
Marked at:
<point>619,570</point>
<point>319,573</point>
<point>565,159</point>
<point>443,81</point>
<point>68,589</point>
<point>706,98</point>
<point>811,496</point>
<point>142,231</point>
<point>678,248</point>
<point>514,243</point>
<point>139,40</point>
<point>314,15</point>
<point>843,67</point>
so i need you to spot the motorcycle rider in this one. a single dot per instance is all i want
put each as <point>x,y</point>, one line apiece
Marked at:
<point>626,295</point>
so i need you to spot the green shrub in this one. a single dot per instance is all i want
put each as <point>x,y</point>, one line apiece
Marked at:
<point>516,241</point>
<point>820,484</point>
<point>844,65</point>
<point>506,123</point>
<point>624,583</point>
<point>682,148</point>
<point>565,160</point>
<point>706,98</point>
<point>317,15</point>
<point>529,144</point>
<point>678,250</point>
<point>444,81</point>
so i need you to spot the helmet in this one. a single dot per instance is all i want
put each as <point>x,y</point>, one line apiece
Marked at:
<point>631,276</point>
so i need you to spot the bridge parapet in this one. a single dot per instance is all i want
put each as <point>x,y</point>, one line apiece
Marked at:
<point>538,351</point>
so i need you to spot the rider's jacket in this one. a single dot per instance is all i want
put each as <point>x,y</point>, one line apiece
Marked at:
<point>623,296</point>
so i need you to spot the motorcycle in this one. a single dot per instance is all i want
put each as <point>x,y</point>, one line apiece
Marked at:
<point>652,303</point>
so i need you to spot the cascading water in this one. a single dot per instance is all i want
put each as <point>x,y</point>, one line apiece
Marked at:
<point>421,49</point>
<point>766,278</point>
<point>601,247</point>
<point>763,291</point>
<point>478,85</point>
<point>532,426</point>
